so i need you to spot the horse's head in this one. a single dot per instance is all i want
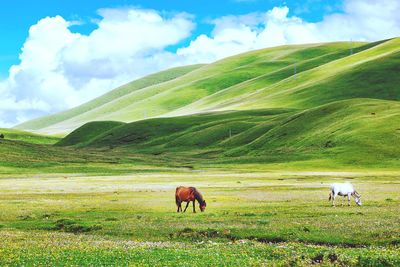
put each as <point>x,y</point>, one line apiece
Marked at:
<point>357,198</point>
<point>203,205</point>
<point>358,201</point>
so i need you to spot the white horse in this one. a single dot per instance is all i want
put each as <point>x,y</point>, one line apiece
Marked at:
<point>344,190</point>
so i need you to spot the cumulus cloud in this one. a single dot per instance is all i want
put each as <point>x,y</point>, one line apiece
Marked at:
<point>60,69</point>
<point>361,20</point>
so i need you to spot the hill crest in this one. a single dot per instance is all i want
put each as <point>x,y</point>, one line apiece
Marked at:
<point>259,79</point>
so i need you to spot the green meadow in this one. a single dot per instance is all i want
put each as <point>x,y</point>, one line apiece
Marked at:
<point>262,135</point>
<point>252,218</point>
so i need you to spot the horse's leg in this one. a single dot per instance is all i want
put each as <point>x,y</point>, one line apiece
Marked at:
<point>333,199</point>
<point>178,203</point>
<point>186,206</point>
<point>348,199</point>
<point>194,209</point>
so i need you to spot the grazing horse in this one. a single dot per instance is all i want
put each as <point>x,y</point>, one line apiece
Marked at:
<point>344,190</point>
<point>187,194</point>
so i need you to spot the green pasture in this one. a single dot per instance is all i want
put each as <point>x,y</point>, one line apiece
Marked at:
<point>262,143</point>
<point>252,218</point>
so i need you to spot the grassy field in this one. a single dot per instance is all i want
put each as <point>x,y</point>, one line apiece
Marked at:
<point>85,206</point>
<point>252,218</point>
<point>262,145</point>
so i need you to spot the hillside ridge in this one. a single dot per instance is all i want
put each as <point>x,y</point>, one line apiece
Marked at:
<point>258,79</point>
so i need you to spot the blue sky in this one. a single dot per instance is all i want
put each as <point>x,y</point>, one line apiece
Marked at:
<point>18,15</point>
<point>55,55</point>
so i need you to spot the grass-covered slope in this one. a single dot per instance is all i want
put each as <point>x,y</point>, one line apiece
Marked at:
<point>254,80</point>
<point>357,131</point>
<point>338,105</point>
<point>352,132</point>
<point>368,74</point>
<point>17,135</point>
<point>88,132</point>
<point>120,92</point>
<point>203,130</point>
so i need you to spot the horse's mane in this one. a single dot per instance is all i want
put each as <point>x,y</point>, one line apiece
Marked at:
<point>197,195</point>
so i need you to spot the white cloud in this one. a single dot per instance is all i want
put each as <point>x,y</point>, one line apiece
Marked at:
<point>361,20</point>
<point>60,69</point>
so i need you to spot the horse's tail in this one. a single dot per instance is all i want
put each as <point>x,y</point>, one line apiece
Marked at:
<point>330,196</point>
<point>177,198</point>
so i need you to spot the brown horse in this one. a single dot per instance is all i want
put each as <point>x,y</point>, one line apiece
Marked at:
<point>187,194</point>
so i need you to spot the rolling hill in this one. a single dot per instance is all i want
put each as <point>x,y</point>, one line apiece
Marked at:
<point>346,132</point>
<point>259,79</point>
<point>118,93</point>
<point>23,136</point>
<point>316,103</point>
